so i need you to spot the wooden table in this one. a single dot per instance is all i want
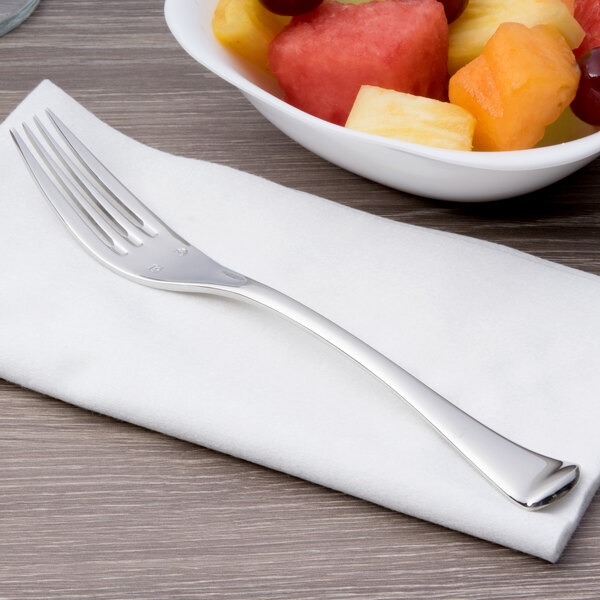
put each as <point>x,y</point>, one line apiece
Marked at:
<point>94,508</point>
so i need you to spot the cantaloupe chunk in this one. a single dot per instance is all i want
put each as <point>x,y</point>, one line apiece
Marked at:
<point>411,118</point>
<point>470,32</point>
<point>521,83</point>
<point>247,28</point>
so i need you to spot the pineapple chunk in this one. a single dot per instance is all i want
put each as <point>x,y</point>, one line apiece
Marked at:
<point>470,32</point>
<point>566,128</point>
<point>570,4</point>
<point>411,118</point>
<point>246,27</point>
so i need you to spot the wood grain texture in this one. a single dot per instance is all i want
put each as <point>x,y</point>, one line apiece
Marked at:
<point>94,508</point>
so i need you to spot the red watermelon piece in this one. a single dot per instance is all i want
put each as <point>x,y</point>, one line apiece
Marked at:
<point>587,13</point>
<point>323,57</point>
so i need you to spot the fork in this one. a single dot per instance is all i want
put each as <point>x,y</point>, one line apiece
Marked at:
<point>127,237</point>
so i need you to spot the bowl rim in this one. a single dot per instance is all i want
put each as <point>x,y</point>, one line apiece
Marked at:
<point>546,157</point>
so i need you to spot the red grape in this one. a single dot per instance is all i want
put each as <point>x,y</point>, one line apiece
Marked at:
<point>290,7</point>
<point>454,8</point>
<point>586,105</point>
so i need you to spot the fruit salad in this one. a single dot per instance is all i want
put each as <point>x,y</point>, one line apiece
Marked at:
<point>485,75</point>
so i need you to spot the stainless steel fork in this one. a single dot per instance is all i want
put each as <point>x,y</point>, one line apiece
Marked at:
<point>125,236</point>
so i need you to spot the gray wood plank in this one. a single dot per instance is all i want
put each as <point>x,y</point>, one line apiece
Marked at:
<point>94,508</point>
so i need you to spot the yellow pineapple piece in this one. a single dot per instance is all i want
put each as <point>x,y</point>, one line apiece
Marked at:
<point>566,128</point>
<point>570,4</point>
<point>246,27</point>
<point>411,118</point>
<point>470,32</point>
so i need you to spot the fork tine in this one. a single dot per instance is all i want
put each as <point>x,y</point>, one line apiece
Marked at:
<point>124,226</point>
<point>126,200</point>
<point>109,231</point>
<point>89,233</point>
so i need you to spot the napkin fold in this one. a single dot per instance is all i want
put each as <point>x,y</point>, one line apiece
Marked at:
<point>510,338</point>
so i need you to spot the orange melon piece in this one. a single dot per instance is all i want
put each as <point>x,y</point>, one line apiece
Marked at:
<point>521,83</point>
<point>247,28</point>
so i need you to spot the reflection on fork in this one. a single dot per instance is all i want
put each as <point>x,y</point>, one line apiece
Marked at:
<point>125,236</point>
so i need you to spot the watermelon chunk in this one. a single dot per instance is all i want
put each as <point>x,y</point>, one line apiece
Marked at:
<point>587,13</point>
<point>322,58</point>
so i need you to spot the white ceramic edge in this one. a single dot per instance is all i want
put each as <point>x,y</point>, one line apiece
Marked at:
<point>577,151</point>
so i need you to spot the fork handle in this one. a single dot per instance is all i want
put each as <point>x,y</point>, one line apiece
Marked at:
<point>530,479</point>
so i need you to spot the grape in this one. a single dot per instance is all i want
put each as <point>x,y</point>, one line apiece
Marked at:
<point>586,105</point>
<point>290,7</point>
<point>454,8</point>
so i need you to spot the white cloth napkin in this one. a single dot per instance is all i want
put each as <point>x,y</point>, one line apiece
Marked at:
<point>512,339</point>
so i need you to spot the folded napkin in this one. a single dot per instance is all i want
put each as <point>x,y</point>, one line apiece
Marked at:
<point>511,339</point>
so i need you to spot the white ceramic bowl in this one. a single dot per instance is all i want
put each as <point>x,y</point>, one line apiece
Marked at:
<point>431,172</point>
